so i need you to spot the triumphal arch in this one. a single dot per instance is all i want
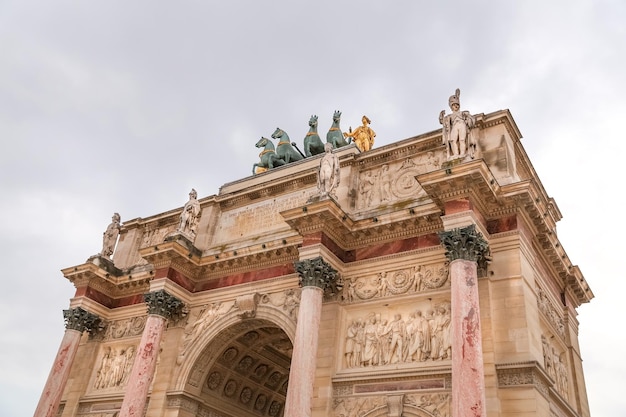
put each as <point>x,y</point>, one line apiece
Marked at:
<point>421,278</point>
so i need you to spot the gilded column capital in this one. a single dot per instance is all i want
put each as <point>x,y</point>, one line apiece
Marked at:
<point>163,304</point>
<point>80,319</point>
<point>465,243</point>
<point>318,273</point>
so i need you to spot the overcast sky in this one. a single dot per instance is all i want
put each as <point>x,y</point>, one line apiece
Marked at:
<point>126,105</point>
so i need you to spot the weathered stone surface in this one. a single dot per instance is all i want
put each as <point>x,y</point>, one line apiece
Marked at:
<point>384,344</point>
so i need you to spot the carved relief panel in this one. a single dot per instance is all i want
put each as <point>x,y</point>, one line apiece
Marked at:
<point>113,367</point>
<point>414,334</point>
<point>119,329</point>
<point>389,183</point>
<point>402,281</point>
<point>555,364</point>
<point>552,313</point>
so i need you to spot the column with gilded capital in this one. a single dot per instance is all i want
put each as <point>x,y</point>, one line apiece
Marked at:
<point>161,307</point>
<point>77,321</point>
<point>316,278</point>
<point>466,250</point>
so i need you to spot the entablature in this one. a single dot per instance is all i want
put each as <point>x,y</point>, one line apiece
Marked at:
<point>328,217</point>
<point>114,283</point>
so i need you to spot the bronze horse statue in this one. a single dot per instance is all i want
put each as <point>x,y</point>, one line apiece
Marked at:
<point>284,149</point>
<point>313,144</point>
<point>269,158</point>
<point>334,135</point>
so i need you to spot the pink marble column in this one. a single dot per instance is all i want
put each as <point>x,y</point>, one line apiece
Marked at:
<point>161,306</point>
<point>465,248</point>
<point>76,321</point>
<point>316,277</point>
<point>468,375</point>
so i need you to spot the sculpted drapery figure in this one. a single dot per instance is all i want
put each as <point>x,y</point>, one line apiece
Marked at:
<point>328,174</point>
<point>457,129</point>
<point>110,235</point>
<point>190,216</point>
<point>363,135</point>
<point>376,341</point>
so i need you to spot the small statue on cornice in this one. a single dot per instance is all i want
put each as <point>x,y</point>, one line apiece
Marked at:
<point>457,130</point>
<point>188,224</point>
<point>328,173</point>
<point>109,237</point>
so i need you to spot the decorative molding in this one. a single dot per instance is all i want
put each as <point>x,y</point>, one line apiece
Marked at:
<point>523,374</point>
<point>119,329</point>
<point>389,284</point>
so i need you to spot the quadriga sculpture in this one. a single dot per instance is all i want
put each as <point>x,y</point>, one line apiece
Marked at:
<point>284,149</point>
<point>313,144</point>
<point>268,157</point>
<point>334,135</point>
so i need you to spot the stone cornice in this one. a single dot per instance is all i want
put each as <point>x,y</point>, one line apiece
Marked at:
<point>471,180</point>
<point>255,257</point>
<point>200,267</point>
<point>114,284</point>
<point>558,261</point>
<point>177,253</point>
<point>328,217</point>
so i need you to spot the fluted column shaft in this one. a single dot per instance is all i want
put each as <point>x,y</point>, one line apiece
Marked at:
<point>77,320</point>
<point>316,277</point>
<point>465,248</point>
<point>161,306</point>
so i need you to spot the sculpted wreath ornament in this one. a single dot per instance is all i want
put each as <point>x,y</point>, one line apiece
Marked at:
<point>400,282</point>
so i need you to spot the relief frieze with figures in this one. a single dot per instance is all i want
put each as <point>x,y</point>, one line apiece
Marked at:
<point>118,329</point>
<point>114,367</point>
<point>404,281</point>
<point>390,183</point>
<point>382,339</point>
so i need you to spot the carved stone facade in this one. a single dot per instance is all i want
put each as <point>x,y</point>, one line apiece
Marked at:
<point>222,294</point>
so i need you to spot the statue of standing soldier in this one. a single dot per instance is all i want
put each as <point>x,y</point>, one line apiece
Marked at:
<point>457,127</point>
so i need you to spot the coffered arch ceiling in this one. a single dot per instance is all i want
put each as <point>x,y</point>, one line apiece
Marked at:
<point>250,372</point>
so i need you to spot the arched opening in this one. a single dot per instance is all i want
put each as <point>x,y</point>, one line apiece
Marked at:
<point>247,370</point>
